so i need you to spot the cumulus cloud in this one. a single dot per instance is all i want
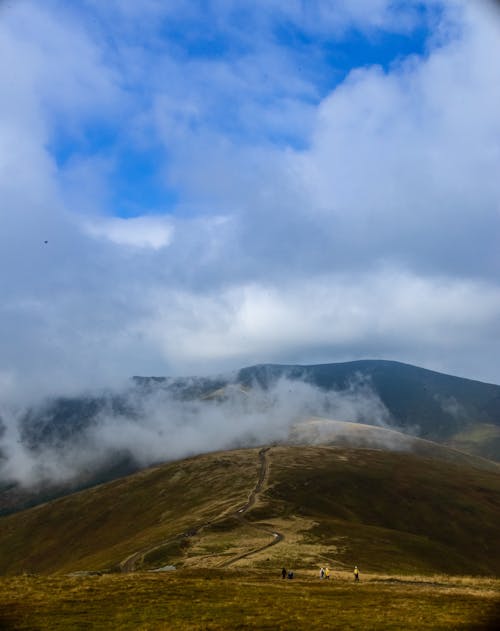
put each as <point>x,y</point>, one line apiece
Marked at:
<point>402,162</point>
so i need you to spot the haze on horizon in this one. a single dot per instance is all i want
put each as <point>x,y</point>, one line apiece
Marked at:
<point>187,190</point>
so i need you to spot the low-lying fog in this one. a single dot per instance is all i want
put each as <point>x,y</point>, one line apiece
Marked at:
<point>157,426</point>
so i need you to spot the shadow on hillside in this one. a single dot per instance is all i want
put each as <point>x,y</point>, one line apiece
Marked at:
<point>491,621</point>
<point>14,618</point>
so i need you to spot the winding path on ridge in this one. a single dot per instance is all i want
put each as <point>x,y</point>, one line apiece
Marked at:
<point>132,561</point>
<point>241,512</point>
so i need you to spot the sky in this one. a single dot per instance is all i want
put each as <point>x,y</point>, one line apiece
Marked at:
<point>191,187</point>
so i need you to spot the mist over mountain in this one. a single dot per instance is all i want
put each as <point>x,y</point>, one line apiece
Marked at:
<point>430,404</point>
<point>66,443</point>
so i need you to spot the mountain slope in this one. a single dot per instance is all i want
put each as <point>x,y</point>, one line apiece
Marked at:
<point>436,405</point>
<point>328,432</point>
<point>389,511</point>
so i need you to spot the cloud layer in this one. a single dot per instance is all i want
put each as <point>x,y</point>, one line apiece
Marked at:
<point>178,199</point>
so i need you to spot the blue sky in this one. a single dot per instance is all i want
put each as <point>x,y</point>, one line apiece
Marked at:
<point>225,39</point>
<point>226,183</point>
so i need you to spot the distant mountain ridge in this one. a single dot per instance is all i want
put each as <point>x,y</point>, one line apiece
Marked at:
<point>434,405</point>
<point>430,404</point>
<point>439,405</point>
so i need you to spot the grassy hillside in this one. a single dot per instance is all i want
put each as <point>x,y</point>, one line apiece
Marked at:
<point>99,527</point>
<point>388,512</point>
<point>481,439</point>
<point>327,432</point>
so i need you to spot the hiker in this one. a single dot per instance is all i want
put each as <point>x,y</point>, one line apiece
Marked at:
<point>327,572</point>
<point>283,573</point>
<point>290,574</point>
<point>356,573</point>
<point>322,573</point>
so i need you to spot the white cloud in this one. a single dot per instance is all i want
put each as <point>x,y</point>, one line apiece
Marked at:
<point>138,232</point>
<point>422,138</point>
<point>403,163</point>
<point>324,316</point>
<point>161,427</point>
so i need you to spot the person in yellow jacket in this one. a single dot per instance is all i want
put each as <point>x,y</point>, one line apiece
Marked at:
<point>327,572</point>
<point>356,573</point>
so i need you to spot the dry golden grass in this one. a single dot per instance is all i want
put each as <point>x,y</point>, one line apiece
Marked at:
<point>99,527</point>
<point>231,599</point>
<point>398,517</point>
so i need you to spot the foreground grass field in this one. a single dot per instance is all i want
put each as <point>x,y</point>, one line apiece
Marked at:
<point>228,521</point>
<point>236,599</point>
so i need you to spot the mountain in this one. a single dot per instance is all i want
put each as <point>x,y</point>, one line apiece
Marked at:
<point>436,405</point>
<point>461,413</point>
<point>423,402</point>
<point>431,404</point>
<point>302,506</point>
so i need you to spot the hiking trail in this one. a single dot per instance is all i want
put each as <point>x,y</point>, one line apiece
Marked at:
<point>131,563</point>
<point>241,512</point>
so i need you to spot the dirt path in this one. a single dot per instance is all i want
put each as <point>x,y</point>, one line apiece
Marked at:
<point>240,513</point>
<point>131,562</point>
